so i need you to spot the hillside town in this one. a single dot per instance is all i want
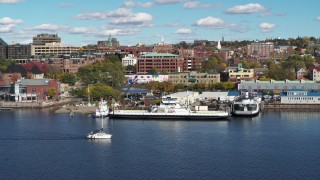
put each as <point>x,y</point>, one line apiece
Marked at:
<point>46,70</point>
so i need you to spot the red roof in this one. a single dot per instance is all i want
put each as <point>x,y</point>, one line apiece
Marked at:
<point>314,67</point>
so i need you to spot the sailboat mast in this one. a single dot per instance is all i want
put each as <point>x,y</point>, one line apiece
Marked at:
<point>88,94</point>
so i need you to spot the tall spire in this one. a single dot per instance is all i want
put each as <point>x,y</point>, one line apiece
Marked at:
<point>109,40</point>
<point>219,45</point>
<point>162,39</point>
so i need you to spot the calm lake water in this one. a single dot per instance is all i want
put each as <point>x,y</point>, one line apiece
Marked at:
<point>38,144</point>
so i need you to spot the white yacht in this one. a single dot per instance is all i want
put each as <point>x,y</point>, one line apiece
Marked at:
<point>246,106</point>
<point>169,108</point>
<point>102,110</point>
<point>99,134</point>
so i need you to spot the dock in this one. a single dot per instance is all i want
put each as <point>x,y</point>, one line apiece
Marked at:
<point>315,107</point>
<point>5,108</point>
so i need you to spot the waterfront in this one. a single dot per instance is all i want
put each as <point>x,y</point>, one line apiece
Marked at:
<point>39,144</point>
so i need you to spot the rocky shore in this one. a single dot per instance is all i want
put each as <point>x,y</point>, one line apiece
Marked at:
<point>77,109</point>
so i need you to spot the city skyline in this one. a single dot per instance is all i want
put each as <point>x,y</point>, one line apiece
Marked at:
<point>146,21</point>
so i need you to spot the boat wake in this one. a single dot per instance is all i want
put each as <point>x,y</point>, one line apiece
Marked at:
<point>44,139</point>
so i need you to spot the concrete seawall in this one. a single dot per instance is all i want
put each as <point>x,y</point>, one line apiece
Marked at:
<point>77,109</point>
<point>290,106</point>
<point>37,105</point>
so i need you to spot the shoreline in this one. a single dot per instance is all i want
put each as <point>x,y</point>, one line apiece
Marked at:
<point>77,109</point>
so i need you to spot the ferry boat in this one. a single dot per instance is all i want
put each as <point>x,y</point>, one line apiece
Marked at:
<point>246,106</point>
<point>102,110</point>
<point>170,109</point>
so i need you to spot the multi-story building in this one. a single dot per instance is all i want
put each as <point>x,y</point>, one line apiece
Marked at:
<point>163,62</point>
<point>277,85</point>
<point>315,73</point>
<point>300,97</point>
<point>260,49</point>
<point>53,49</point>
<point>129,60</point>
<point>301,73</point>
<point>31,90</point>
<point>193,77</point>
<point>42,39</point>
<point>3,49</point>
<point>145,78</point>
<point>71,64</point>
<point>18,51</point>
<point>239,73</point>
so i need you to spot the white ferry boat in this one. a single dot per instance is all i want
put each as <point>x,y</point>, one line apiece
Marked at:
<point>102,110</point>
<point>246,106</point>
<point>169,109</point>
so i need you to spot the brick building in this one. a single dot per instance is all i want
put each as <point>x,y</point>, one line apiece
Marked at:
<point>161,61</point>
<point>18,51</point>
<point>30,90</point>
<point>260,49</point>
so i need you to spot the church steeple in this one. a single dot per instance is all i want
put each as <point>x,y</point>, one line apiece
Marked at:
<point>219,45</point>
<point>109,40</point>
<point>162,39</point>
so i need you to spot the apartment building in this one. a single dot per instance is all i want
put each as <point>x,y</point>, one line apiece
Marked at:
<point>193,77</point>
<point>3,49</point>
<point>129,60</point>
<point>260,49</point>
<point>43,39</point>
<point>53,49</point>
<point>18,51</point>
<point>237,74</point>
<point>163,62</point>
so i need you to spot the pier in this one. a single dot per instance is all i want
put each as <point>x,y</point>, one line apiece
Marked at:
<point>36,105</point>
<point>290,106</point>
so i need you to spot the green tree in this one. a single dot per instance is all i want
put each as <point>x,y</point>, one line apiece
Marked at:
<point>5,63</point>
<point>131,68</point>
<point>53,71</point>
<point>154,70</point>
<point>79,92</point>
<point>104,91</point>
<point>106,73</point>
<point>214,63</point>
<point>68,78</point>
<point>51,92</point>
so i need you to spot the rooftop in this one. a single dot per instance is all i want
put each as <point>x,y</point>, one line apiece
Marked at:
<point>159,55</point>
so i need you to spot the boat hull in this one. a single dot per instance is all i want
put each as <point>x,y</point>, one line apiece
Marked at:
<point>164,116</point>
<point>99,136</point>
<point>245,108</point>
<point>245,113</point>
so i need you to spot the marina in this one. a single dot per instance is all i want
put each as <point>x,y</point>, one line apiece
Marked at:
<point>39,144</point>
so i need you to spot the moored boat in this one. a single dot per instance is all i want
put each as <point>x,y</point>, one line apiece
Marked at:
<point>246,106</point>
<point>102,110</point>
<point>170,109</point>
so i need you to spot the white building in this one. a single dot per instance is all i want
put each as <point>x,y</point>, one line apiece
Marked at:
<point>53,49</point>
<point>300,97</point>
<point>129,60</point>
<point>315,74</point>
<point>145,78</point>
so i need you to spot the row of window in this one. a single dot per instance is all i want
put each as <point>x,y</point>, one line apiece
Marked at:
<point>198,81</point>
<point>302,98</point>
<point>178,77</point>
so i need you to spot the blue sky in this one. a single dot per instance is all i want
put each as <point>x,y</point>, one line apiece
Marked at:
<point>80,22</point>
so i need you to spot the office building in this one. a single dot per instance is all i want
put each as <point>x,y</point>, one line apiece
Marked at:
<point>42,39</point>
